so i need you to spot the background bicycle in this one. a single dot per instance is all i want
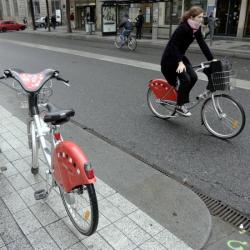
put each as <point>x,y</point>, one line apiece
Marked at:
<point>68,167</point>
<point>130,41</point>
<point>222,116</point>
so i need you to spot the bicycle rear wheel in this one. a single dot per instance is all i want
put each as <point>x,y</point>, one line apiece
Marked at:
<point>230,121</point>
<point>34,146</point>
<point>82,208</point>
<point>159,108</point>
<point>132,43</point>
<point>118,42</point>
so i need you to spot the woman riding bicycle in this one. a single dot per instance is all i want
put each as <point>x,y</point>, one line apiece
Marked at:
<point>175,64</point>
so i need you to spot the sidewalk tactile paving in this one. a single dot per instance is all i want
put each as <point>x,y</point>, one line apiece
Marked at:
<point>61,234</point>
<point>27,221</point>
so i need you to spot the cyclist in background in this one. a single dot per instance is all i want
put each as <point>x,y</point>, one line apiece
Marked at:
<point>127,28</point>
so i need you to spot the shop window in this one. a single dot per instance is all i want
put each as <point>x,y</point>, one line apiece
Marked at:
<point>247,23</point>
<point>177,12</point>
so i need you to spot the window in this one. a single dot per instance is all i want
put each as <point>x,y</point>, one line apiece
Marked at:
<point>7,7</point>
<point>201,3</point>
<point>36,6</point>
<point>247,23</point>
<point>15,8</point>
<point>176,15</point>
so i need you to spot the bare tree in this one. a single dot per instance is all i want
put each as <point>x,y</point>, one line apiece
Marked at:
<point>69,29</point>
<point>32,14</point>
<point>48,23</point>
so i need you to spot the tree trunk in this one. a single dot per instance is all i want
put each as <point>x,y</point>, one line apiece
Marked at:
<point>32,14</point>
<point>69,29</point>
<point>47,7</point>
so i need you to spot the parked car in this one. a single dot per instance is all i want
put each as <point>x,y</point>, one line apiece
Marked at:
<point>40,22</point>
<point>11,25</point>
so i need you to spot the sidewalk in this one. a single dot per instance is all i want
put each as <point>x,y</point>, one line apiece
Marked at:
<point>221,47</point>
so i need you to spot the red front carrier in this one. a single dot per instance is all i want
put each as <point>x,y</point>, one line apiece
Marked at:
<point>163,90</point>
<point>71,167</point>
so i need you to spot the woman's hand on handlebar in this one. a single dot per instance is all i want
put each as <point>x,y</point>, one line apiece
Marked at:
<point>181,68</point>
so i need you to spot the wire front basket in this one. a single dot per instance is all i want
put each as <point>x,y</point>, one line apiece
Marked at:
<point>224,80</point>
<point>43,95</point>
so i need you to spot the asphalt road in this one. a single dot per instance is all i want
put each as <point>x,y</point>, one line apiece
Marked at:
<point>110,98</point>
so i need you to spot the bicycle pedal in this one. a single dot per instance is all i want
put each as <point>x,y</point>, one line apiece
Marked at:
<point>40,194</point>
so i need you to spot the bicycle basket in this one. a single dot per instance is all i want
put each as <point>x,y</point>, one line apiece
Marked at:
<point>43,95</point>
<point>220,75</point>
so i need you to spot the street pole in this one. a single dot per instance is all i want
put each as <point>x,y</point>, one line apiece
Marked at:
<point>171,18</point>
<point>32,14</point>
<point>69,29</point>
<point>47,7</point>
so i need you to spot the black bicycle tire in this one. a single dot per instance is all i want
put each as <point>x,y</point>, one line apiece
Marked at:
<point>238,105</point>
<point>94,210</point>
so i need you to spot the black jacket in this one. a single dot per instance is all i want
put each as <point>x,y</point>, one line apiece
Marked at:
<point>179,43</point>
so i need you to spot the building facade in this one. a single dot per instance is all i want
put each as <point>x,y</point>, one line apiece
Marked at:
<point>234,15</point>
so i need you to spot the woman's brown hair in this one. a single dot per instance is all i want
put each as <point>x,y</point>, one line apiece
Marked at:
<point>192,12</point>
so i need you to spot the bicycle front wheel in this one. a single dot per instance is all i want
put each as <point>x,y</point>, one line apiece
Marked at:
<point>132,43</point>
<point>82,208</point>
<point>34,146</point>
<point>159,108</point>
<point>118,42</point>
<point>230,119</point>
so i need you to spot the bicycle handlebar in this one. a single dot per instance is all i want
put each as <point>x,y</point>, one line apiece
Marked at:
<point>203,64</point>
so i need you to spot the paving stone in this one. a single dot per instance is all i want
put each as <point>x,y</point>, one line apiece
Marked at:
<point>1,243</point>
<point>59,229</point>
<point>104,189</point>
<point>11,170</point>
<point>132,230</point>
<point>27,194</point>
<point>27,221</point>
<point>30,178</point>
<point>78,246</point>
<point>96,242</point>
<point>44,213</point>
<point>152,244</point>
<point>4,210</point>
<point>14,202</point>
<point>170,241</point>
<point>116,238</point>
<point>109,211</point>
<point>103,222</point>
<point>15,143</point>
<point>9,231</point>
<point>41,240</point>
<point>123,204</point>
<point>5,146</point>
<point>23,151</point>
<point>3,248</point>
<point>21,165</point>
<point>18,181</point>
<point>22,244</point>
<point>146,222</point>
<point>69,224</point>
<point>56,204</point>
<point>12,155</point>
<point>5,187</point>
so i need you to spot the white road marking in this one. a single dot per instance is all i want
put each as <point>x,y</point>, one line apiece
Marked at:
<point>240,83</point>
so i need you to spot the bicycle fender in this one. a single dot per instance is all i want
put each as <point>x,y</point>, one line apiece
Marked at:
<point>163,90</point>
<point>69,163</point>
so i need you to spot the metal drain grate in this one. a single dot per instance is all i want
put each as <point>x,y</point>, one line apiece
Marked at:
<point>225,212</point>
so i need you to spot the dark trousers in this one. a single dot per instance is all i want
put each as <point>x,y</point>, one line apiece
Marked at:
<point>187,81</point>
<point>138,31</point>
